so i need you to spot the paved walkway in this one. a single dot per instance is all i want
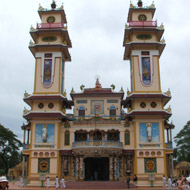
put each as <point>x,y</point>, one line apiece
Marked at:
<point>89,185</point>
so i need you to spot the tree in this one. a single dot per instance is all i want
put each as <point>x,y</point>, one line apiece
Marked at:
<point>182,140</point>
<point>9,148</point>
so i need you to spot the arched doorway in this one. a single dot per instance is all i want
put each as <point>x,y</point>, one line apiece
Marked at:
<point>97,135</point>
<point>97,169</point>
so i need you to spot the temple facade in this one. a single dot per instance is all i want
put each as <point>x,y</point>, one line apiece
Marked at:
<point>106,137</point>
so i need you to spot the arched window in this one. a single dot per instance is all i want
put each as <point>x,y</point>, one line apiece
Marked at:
<point>97,135</point>
<point>67,138</point>
<point>112,111</point>
<point>127,137</point>
<point>81,111</point>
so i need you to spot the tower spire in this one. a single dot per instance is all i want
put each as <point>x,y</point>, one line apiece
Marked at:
<point>53,5</point>
<point>140,3</point>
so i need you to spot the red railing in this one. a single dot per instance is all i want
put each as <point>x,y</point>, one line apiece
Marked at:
<point>143,23</point>
<point>50,25</point>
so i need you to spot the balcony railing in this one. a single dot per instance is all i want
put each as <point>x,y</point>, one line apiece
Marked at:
<point>143,24</point>
<point>97,143</point>
<point>169,145</point>
<point>26,146</point>
<point>50,25</point>
<point>101,119</point>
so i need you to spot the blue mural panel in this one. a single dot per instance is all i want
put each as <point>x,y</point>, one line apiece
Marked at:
<point>146,71</point>
<point>143,132</point>
<point>47,73</point>
<point>154,130</point>
<point>50,133</point>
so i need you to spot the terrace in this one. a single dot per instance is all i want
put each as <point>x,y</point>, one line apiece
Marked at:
<point>50,25</point>
<point>97,143</point>
<point>143,24</point>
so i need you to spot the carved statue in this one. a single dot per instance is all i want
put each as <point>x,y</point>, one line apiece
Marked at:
<point>25,111</point>
<point>81,168</point>
<point>111,168</point>
<point>115,168</point>
<point>128,165</point>
<point>44,133</point>
<point>149,131</point>
<point>77,167</point>
<point>66,166</point>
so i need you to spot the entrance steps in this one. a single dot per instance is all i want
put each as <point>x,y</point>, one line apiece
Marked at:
<point>96,185</point>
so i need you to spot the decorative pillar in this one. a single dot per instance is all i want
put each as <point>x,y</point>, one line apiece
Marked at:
<point>171,164</point>
<point>77,167</point>
<point>23,161</point>
<point>115,168</point>
<point>111,168</point>
<point>120,167</point>
<point>24,136</point>
<point>106,137</point>
<point>170,135</point>
<point>167,136</point>
<point>28,137</point>
<point>73,167</point>
<point>81,177</point>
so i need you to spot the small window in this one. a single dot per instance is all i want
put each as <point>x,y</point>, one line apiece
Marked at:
<point>67,137</point>
<point>153,104</point>
<point>81,111</point>
<point>127,137</point>
<point>81,101</point>
<point>40,105</point>
<point>145,52</point>
<point>143,104</point>
<point>112,111</point>
<point>50,105</point>
<point>113,136</point>
<point>112,101</point>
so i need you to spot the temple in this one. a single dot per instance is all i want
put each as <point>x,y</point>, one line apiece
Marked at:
<point>106,137</point>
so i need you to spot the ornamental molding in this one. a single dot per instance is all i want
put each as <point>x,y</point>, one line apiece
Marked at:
<point>97,152</point>
<point>26,94</point>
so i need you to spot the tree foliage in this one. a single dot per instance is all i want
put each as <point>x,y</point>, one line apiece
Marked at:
<point>182,140</point>
<point>9,149</point>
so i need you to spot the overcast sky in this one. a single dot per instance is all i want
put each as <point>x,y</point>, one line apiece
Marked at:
<point>96,28</point>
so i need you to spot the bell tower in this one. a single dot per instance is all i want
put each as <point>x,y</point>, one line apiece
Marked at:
<point>50,48</point>
<point>143,48</point>
<point>148,118</point>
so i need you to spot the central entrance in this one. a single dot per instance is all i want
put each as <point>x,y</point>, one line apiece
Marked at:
<point>97,169</point>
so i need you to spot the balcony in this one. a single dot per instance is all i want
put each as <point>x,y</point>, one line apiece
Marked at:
<point>91,119</point>
<point>97,144</point>
<point>50,25</point>
<point>169,145</point>
<point>26,146</point>
<point>143,24</point>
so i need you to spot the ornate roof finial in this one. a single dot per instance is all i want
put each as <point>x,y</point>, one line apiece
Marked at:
<point>53,5</point>
<point>98,85</point>
<point>140,3</point>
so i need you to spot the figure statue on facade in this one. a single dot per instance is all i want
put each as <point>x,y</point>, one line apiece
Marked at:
<point>128,165</point>
<point>149,131</point>
<point>66,166</point>
<point>44,133</point>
